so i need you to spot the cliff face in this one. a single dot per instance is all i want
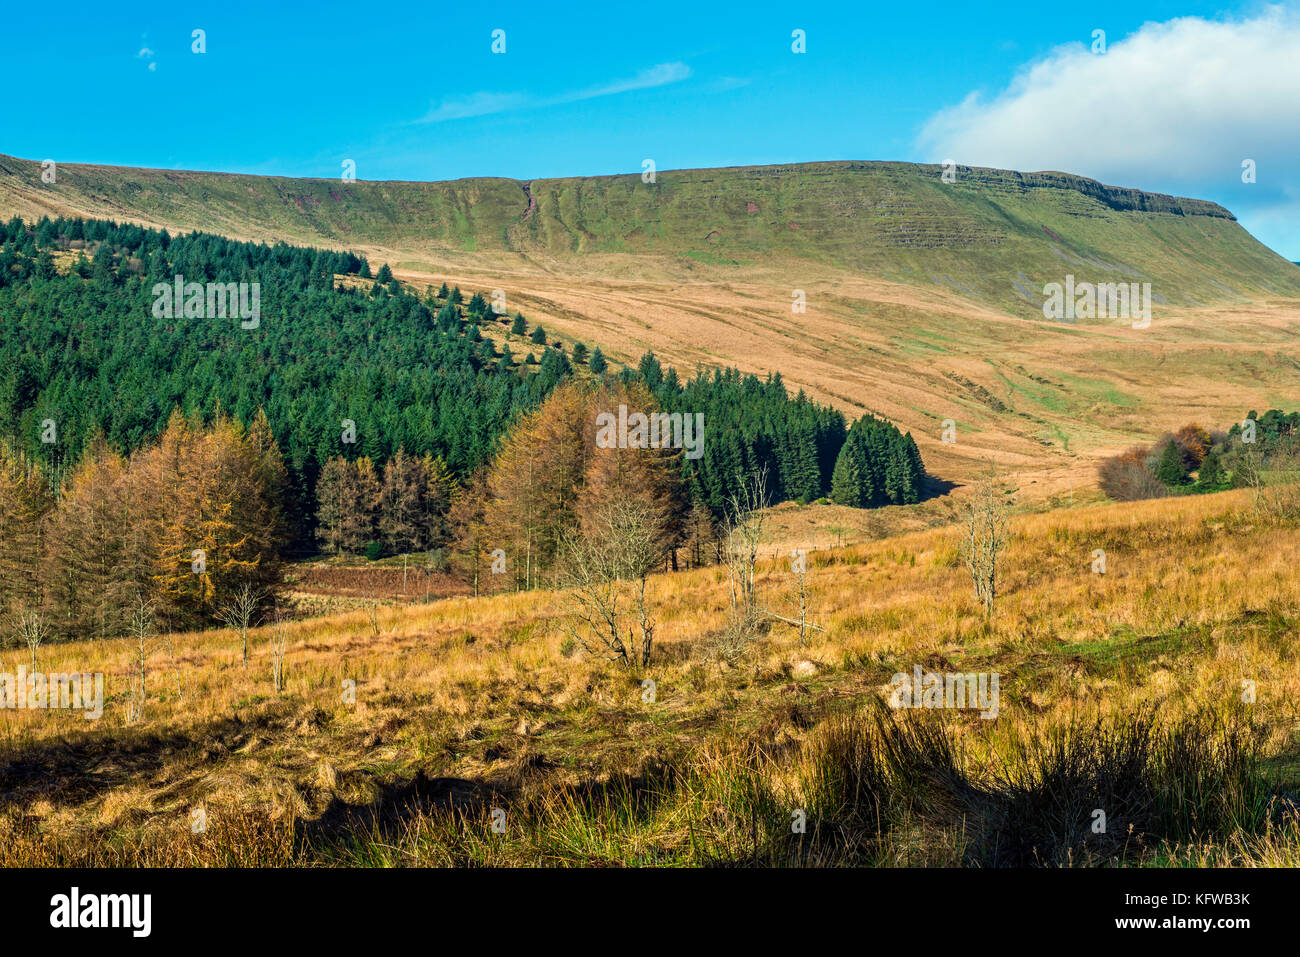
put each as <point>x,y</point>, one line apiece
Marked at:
<point>1118,198</point>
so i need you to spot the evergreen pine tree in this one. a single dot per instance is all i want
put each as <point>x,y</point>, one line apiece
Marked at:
<point>846,480</point>
<point>1210,475</point>
<point>1171,471</point>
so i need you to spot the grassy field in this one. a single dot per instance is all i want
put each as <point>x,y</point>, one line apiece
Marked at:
<point>319,587</point>
<point>1121,693</point>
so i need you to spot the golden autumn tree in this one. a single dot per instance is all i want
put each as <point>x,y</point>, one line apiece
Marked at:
<point>24,505</point>
<point>701,536</point>
<point>400,500</point>
<point>93,566</point>
<point>645,476</point>
<point>551,479</point>
<point>213,519</point>
<point>335,500</point>
<point>534,482</point>
<point>467,519</point>
<point>364,491</point>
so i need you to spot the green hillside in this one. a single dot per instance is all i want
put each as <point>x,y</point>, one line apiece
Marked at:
<point>994,236</point>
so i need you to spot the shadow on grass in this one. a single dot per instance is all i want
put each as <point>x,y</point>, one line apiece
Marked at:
<point>71,770</point>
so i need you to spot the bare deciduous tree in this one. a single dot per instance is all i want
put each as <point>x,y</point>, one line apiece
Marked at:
<point>742,534</point>
<point>801,597</point>
<point>801,592</point>
<point>601,570</point>
<point>985,535</point>
<point>1251,472</point>
<point>279,643</point>
<point>142,624</point>
<point>241,612</point>
<point>31,631</point>
<point>1275,479</point>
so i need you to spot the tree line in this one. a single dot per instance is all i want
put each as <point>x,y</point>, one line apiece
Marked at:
<point>181,525</point>
<point>399,507</point>
<point>396,423</point>
<point>83,350</point>
<point>1257,450</point>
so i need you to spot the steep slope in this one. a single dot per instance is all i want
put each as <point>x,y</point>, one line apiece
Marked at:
<point>992,235</point>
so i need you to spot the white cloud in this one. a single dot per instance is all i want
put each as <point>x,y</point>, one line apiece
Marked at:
<point>145,52</point>
<point>1182,101</point>
<point>484,103</point>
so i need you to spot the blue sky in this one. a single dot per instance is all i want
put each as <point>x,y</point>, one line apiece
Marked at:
<point>1182,96</point>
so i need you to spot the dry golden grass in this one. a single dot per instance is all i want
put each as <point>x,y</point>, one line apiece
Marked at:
<point>485,698</point>
<point>1047,399</point>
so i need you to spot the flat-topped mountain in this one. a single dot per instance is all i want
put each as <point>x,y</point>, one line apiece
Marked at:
<point>993,235</point>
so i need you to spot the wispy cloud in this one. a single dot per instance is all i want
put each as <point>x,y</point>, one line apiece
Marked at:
<point>476,104</point>
<point>722,84</point>
<point>485,103</point>
<point>659,75</point>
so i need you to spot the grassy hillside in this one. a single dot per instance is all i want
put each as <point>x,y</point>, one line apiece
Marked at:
<point>923,298</point>
<point>457,215</point>
<point>993,235</point>
<point>1122,691</point>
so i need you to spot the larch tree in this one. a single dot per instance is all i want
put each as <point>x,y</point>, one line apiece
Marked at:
<point>366,491</point>
<point>89,564</point>
<point>650,477</point>
<point>333,503</point>
<point>399,502</point>
<point>214,516</point>
<point>468,528</point>
<point>533,484</point>
<point>24,505</point>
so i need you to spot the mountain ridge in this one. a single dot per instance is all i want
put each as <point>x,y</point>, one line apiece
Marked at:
<point>1056,178</point>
